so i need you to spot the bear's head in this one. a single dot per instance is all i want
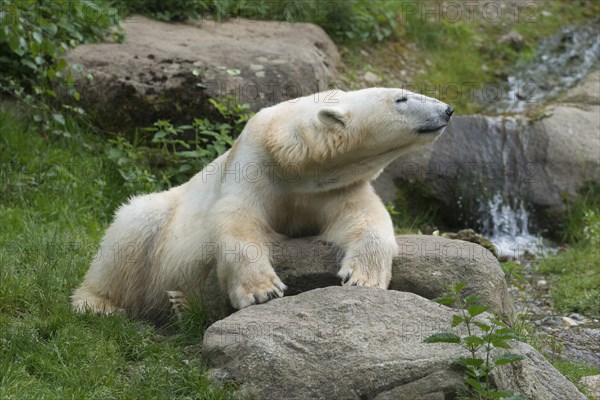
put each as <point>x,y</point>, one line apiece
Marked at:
<point>350,135</point>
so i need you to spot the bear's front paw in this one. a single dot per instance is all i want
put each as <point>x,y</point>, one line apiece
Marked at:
<point>363,276</point>
<point>256,289</point>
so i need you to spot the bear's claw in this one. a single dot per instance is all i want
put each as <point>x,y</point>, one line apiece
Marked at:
<point>356,277</point>
<point>244,297</point>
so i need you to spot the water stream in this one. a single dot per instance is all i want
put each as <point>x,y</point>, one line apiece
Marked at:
<point>560,62</point>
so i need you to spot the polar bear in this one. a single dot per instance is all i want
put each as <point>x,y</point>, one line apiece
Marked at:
<point>300,168</point>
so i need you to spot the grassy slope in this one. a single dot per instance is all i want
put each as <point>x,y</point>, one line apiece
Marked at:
<point>57,197</point>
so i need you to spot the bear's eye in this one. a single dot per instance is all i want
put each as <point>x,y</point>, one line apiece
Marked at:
<point>401,99</point>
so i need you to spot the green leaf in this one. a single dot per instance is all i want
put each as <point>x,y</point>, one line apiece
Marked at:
<point>446,300</point>
<point>189,154</point>
<point>23,42</point>
<point>473,341</point>
<point>29,64</point>
<point>504,332</point>
<point>62,64</point>
<point>234,71</point>
<point>483,326</point>
<point>443,337</point>
<point>507,358</point>
<point>500,343</point>
<point>52,29</point>
<point>471,299</point>
<point>185,168</point>
<point>460,286</point>
<point>474,383</point>
<point>114,153</point>
<point>457,320</point>
<point>59,118</point>
<point>466,361</point>
<point>476,309</point>
<point>13,43</point>
<point>37,36</point>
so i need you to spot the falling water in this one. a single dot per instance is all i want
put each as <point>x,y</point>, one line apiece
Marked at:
<point>506,223</point>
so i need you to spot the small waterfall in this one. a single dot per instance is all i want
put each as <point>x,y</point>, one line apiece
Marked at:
<point>506,223</point>
<point>484,168</point>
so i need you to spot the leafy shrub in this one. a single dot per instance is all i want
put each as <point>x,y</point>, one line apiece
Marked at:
<point>343,19</point>
<point>34,37</point>
<point>175,153</point>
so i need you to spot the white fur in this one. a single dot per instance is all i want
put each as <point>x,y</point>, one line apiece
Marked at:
<point>299,168</point>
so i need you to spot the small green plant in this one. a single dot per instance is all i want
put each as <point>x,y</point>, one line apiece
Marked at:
<point>483,336</point>
<point>513,275</point>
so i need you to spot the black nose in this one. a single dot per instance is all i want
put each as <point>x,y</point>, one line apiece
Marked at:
<point>449,111</point>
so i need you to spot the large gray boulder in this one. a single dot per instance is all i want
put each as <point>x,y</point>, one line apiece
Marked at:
<point>168,70</point>
<point>356,343</point>
<point>542,160</point>
<point>425,265</point>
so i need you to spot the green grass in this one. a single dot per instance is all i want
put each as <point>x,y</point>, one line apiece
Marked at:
<point>57,197</point>
<point>575,279</point>
<point>574,371</point>
<point>575,273</point>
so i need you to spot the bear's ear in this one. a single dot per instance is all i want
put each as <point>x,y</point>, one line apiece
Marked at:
<point>334,116</point>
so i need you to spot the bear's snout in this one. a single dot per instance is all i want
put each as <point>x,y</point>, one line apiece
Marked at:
<point>449,112</point>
